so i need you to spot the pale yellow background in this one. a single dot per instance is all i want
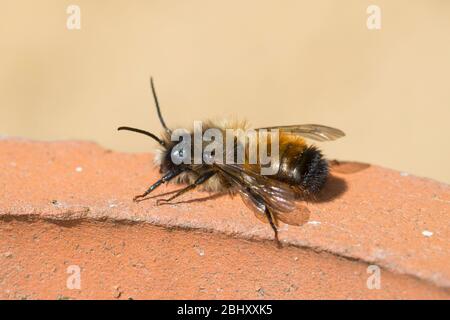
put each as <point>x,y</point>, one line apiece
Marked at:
<point>272,62</point>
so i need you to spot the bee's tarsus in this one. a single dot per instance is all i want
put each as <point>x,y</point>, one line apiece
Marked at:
<point>278,243</point>
<point>271,218</point>
<point>167,177</point>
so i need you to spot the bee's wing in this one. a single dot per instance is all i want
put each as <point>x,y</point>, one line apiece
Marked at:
<point>277,195</point>
<point>259,191</point>
<point>257,207</point>
<point>297,217</point>
<point>312,131</point>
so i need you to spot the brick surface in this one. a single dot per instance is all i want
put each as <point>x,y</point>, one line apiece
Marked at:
<point>69,203</point>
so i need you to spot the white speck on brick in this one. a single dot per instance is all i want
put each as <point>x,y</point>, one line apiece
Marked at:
<point>314,223</point>
<point>200,251</point>
<point>78,169</point>
<point>427,233</point>
<point>404,174</point>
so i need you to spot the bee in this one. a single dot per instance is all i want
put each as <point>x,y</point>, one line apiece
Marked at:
<point>301,174</point>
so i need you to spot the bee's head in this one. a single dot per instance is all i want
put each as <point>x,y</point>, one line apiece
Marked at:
<point>172,157</point>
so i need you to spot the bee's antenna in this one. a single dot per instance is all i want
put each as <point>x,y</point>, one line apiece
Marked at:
<point>157,107</point>
<point>151,135</point>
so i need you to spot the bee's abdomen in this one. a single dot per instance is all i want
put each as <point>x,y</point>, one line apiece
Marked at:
<point>305,168</point>
<point>313,170</point>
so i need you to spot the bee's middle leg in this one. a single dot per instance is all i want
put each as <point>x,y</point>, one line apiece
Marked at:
<point>203,178</point>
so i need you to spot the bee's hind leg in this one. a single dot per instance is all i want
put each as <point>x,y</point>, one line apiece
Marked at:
<point>192,186</point>
<point>272,222</point>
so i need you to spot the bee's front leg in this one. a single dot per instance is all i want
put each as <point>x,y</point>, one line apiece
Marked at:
<point>167,177</point>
